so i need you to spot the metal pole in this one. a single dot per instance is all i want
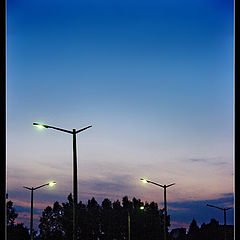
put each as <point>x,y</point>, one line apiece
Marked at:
<point>129,234</point>
<point>225,230</point>
<point>31,221</point>
<point>225,218</point>
<point>74,185</point>
<point>165,213</point>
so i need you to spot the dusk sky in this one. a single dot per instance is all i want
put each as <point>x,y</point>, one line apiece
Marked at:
<point>154,79</point>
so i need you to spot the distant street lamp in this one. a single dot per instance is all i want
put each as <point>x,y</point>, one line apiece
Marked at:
<point>165,202</point>
<point>51,184</point>
<point>224,211</point>
<point>74,133</point>
<point>225,217</point>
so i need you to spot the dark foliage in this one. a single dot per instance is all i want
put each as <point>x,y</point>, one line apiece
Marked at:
<point>11,214</point>
<point>15,231</point>
<point>210,231</point>
<point>194,231</point>
<point>108,221</point>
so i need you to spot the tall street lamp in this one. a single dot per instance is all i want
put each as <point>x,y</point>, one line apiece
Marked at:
<point>165,202</point>
<point>74,133</point>
<point>51,184</point>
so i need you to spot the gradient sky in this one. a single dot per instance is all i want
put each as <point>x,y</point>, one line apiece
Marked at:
<point>154,78</point>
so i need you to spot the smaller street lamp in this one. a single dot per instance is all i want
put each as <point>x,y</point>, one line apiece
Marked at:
<point>225,217</point>
<point>51,184</point>
<point>224,210</point>
<point>165,202</point>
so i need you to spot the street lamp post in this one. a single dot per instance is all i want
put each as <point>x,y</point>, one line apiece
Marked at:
<point>32,189</point>
<point>224,211</point>
<point>225,217</point>
<point>74,133</point>
<point>165,202</point>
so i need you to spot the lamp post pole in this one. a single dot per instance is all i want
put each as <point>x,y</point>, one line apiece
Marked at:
<point>31,216</point>
<point>165,211</point>
<point>75,194</point>
<point>75,200</point>
<point>31,223</point>
<point>225,217</point>
<point>129,225</point>
<point>165,202</point>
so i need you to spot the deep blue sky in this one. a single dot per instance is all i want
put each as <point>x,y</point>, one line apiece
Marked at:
<point>154,78</point>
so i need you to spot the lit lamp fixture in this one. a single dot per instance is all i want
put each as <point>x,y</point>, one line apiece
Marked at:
<point>143,180</point>
<point>51,184</point>
<point>39,125</point>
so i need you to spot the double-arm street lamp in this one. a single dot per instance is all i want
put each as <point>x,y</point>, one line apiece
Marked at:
<point>165,202</point>
<point>224,211</point>
<point>74,132</point>
<point>225,217</point>
<point>32,189</point>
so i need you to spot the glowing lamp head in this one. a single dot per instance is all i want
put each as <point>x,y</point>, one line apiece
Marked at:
<point>143,180</point>
<point>38,125</point>
<point>51,184</point>
<point>142,207</point>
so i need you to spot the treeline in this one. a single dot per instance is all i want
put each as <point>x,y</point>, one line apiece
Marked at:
<point>108,221</point>
<point>211,231</point>
<point>15,231</point>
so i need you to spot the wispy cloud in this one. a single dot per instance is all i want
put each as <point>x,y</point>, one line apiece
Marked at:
<point>211,161</point>
<point>197,160</point>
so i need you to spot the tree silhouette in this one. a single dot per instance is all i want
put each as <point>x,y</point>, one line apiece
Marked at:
<point>106,227</point>
<point>194,231</point>
<point>11,214</point>
<point>67,218</point>
<point>93,217</point>
<point>108,221</point>
<point>18,231</point>
<point>154,220</point>
<point>51,226</point>
<point>118,225</point>
<point>15,231</point>
<point>211,231</point>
